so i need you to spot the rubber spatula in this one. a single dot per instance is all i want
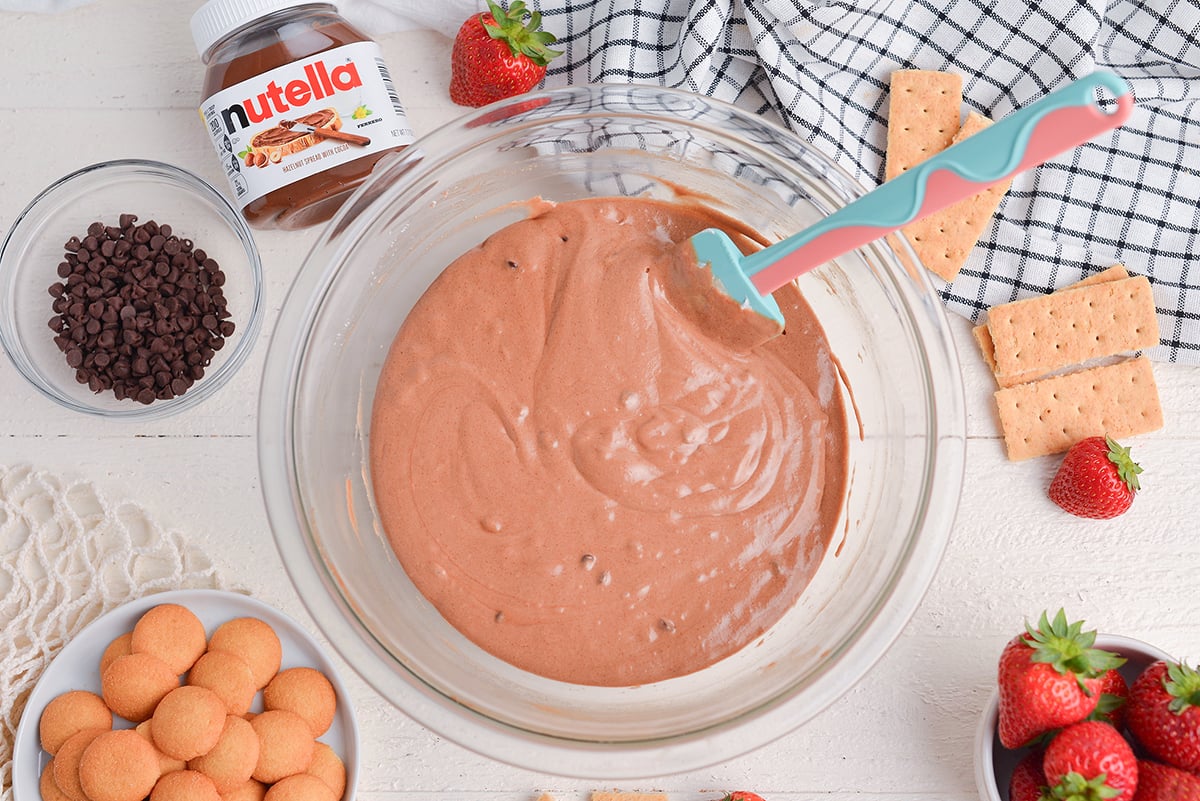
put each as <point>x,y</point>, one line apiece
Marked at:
<point>1060,121</point>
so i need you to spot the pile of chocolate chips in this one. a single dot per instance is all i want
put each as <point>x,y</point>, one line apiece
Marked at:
<point>138,311</point>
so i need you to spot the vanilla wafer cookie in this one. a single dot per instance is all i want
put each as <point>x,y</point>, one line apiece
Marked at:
<point>69,714</point>
<point>172,633</point>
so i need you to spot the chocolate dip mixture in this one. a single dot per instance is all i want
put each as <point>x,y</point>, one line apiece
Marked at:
<point>585,483</point>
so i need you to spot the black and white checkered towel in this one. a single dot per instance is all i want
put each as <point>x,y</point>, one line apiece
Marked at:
<point>823,67</point>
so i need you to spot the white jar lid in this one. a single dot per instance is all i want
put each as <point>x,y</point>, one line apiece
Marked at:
<point>218,18</point>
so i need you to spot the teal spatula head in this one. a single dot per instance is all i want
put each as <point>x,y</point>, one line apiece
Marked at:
<point>715,249</point>
<point>1060,121</point>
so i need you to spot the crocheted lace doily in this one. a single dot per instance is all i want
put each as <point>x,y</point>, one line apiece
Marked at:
<point>68,555</point>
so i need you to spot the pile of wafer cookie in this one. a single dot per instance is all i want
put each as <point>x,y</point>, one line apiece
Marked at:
<point>1061,360</point>
<point>195,739</point>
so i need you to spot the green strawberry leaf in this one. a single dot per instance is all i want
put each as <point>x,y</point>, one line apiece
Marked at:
<point>1074,787</point>
<point>1127,469</point>
<point>1068,649</point>
<point>1107,704</point>
<point>1182,683</point>
<point>522,37</point>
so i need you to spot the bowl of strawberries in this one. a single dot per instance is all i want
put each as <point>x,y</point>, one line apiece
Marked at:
<point>1080,715</point>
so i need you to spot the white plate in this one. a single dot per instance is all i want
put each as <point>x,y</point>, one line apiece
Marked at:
<point>77,667</point>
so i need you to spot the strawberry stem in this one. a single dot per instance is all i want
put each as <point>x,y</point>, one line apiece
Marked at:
<point>1108,704</point>
<point>1127,469</point>
<point>1068,649</point>
<point>1183,684</point>
<point>523,39</point>
<point>1075,787</point>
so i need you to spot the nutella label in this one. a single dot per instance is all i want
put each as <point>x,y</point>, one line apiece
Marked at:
<point>303,118</point>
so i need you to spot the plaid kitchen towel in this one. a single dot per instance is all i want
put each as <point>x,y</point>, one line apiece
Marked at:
<point>822,67</point>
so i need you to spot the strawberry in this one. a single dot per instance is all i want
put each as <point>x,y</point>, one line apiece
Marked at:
<point>1027,782</point>
<point>1164,713</point>
<point>1097,478</point>
<point>742,795</point>
<point>1048,678</point>
<point>497,55</point>
<point>1163,783</point>
<point>1089,760</point>
<point>1114,695</point>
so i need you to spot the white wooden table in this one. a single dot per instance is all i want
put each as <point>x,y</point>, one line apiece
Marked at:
<point>120,78</point>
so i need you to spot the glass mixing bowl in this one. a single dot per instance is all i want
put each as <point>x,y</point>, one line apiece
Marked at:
<point>447,193</point>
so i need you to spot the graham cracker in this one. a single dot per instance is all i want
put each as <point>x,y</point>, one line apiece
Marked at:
<point>1114,273</point>
<point>944,239</point>
<point>1049,332</point>
<point>1051,415</point>
<point>923,117</point>
<point>612,795</point>
<point>988,348</point>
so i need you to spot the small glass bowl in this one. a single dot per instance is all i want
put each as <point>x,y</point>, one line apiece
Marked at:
<point>31,252</point>
<point>994,764</point>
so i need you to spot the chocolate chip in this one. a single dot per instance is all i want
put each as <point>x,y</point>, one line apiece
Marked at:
<point>140,311</point>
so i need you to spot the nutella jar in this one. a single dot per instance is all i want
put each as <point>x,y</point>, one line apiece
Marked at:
<point>299,105</point>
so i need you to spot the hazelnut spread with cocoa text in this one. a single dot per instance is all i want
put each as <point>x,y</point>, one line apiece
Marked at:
<point>299,106</point>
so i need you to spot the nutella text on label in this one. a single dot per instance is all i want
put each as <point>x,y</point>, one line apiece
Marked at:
<point>303,118</point>
<point>319,82</point>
